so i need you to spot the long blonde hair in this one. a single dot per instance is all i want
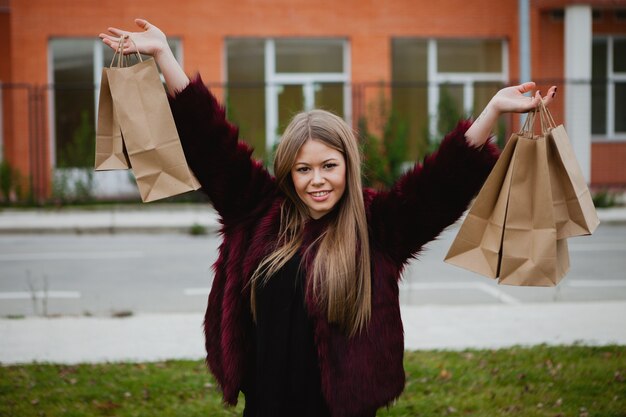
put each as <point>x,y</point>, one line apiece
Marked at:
<point>341,269</point>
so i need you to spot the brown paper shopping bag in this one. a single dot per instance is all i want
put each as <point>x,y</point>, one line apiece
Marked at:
<point>531,253</point>
<point>147,127</point>
<point>574,211</point>
<point>110,151</point>
<point>510,232</point>
<point>478,242</point>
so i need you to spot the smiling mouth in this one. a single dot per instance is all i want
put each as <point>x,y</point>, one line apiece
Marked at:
<point>320,193</point>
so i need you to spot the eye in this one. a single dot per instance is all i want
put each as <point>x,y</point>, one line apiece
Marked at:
<point>330,165</point>
<point>302,169</point>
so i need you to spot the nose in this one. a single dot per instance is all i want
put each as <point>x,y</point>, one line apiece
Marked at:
<point>318,178</point>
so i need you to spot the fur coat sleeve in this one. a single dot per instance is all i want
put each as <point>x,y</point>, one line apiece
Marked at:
<point>237,185</point>
<point>431,196</point>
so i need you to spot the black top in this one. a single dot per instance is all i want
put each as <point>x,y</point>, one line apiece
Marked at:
<point>286,381</point>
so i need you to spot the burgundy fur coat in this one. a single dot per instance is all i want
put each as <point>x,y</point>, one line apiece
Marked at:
<point>358,374</point>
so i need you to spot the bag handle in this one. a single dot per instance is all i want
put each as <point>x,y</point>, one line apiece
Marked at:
<point>549,119</point>
<point>123,60</point>
<point>529,125</point>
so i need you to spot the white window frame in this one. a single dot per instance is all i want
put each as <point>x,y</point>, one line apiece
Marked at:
<point>611,78</point>
<point>274,80</point>
<point>437,78</point>
<point>98,64</point>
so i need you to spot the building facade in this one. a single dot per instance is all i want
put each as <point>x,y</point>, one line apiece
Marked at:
<point>416,63</point>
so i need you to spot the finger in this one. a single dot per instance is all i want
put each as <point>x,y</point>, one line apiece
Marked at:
<point>114,43</point>
<point>547,100</point>
<point>110,44</point>
<point>118,32</point>
<point>104,36</point>
<point>142,23</point>
<point>526,87</point>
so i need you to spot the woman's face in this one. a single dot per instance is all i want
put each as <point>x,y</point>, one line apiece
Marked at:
<point>319,177</point>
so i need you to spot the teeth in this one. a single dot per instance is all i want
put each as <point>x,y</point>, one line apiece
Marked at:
<point>320,193</point>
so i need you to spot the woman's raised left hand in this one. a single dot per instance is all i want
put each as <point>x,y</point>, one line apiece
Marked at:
<point>513,100</point>
<point>507,100</point>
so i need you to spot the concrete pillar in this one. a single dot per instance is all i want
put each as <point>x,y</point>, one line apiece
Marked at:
<point>578,39</point>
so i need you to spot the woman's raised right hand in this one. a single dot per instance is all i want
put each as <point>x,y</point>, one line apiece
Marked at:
<point>149,41</point>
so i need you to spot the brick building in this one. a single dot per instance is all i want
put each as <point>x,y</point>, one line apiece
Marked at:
<point>269,59</point>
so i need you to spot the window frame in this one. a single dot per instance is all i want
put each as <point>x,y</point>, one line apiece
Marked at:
<point>438,78</point>
<point>98,63</point>
<point>612,78</point>
<point>275,80</point>
<point>435,79</point>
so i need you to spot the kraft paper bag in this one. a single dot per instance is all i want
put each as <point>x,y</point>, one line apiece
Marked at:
<point>479,240</point>
<point>531,253</point>
<point>110,150</point>
<point>148,130</point>
<point>574,211</point>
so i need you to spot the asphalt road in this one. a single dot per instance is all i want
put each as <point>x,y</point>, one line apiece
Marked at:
<point>107,275</point>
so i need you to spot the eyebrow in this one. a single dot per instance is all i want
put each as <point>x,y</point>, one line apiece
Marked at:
<point>323,162</point>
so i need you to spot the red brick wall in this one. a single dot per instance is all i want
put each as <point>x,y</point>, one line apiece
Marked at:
<point>608,163</point>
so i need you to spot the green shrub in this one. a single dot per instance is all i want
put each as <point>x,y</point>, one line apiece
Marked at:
<point>604,198</point>
<point>384,157</point>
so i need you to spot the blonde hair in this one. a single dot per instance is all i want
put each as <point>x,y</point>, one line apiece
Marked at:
<point>341,269</point>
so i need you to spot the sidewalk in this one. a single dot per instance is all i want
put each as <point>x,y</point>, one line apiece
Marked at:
<point>157,218</point>
<point>154,337</point>
<point>147,218</point>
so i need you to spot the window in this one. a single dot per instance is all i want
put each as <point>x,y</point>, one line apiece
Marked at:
<point>270,80</point>
<point>443,77</point>
<point>73,79</point>
<point>608,88</point>
<point>75,74</point>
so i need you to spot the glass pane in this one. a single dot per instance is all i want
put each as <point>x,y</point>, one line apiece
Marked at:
<point>329,96</point>
<point>619,55</point>
<point>410,104</point>
<point>620,107</point>
<point>477,55</point>
<point>309,55</point>
<point>598,87</point>
<point>245,95</point>
<point>290,103</point>
<point>246,60</point>
<point>483,92</point>
<point>450,108</point>
<point>409,60</point>
<point>409,93</point>
<point>73,84</point>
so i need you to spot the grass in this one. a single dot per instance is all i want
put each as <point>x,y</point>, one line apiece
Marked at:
<point>540,381</point>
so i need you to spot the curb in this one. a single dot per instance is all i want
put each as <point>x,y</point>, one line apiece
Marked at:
<point>149,220</point>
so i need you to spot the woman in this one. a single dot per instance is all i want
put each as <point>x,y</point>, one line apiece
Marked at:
<point>303,315</point>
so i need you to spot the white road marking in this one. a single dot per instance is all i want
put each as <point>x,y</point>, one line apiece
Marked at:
<point>478,286</point>
<point>25,295</point>
<point>595,283</point>
<point>196,291</point>
<point>68,256</point>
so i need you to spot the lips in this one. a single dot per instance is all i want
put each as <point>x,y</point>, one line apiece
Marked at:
<point>319,196</point>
